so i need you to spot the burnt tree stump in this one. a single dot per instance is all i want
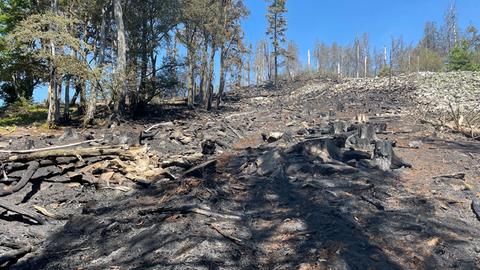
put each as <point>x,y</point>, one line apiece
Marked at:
<point>208,147</point>
<point>367,132</point>
<point>385,158</point>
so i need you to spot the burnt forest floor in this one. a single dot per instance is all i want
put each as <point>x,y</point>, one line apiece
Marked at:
<point>264,205</point>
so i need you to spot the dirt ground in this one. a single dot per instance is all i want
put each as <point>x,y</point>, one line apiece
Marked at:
<point>264,205</point>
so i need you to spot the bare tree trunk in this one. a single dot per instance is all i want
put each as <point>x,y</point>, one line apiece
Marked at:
<point>308,62</point>
<point>248,72</point>
<point>92,103</point>
<point>203,72</point>
<point>210,77</point>
<point>267,62</point>
<point>52,86</point>
<point>358,61</point>
<point>80,92</point>
<point>58,94</point>
<point>366,66</point>
<point>275,55</point>
<point>191,78</point>
<point>384,56</point>
<point>391,65</point>
<point>66,109</point>
<point>120,103</point>
<point>418,63</point>
<point>221,86</point>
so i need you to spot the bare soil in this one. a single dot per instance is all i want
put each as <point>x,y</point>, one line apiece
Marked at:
<point>268,205</point>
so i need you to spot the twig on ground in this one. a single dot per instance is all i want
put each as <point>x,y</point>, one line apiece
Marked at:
<point>47,148</point>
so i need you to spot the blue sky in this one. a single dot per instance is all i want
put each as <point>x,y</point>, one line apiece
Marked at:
<point>342,20</point>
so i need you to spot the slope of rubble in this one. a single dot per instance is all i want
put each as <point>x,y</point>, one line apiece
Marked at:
<point>321,174</point>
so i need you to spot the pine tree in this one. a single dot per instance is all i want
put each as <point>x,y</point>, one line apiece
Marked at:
<point>460,58</point>
<point>277,28</point>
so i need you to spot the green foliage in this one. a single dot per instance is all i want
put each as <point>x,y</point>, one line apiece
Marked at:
<point>12,12</point>
<point>23,113</point>
<point>429,60</point>
<point>460,58</point>
<point>277,23</point>
<point>16,69</point>
<point>384,72</point>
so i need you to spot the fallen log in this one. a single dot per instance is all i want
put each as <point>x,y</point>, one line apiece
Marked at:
<point>165,124</point>
<point>174,102</point>
<point>201,210</point>
<point>460,176</point>
<point>32,168</point>
<point>200,168</point>
<point>373,202</point>
<point>236,240</point>
<point>82,152</point>
<point>21,211</point>
<point>47,148</point>
<point>11,258</point>
<point>234,131</point>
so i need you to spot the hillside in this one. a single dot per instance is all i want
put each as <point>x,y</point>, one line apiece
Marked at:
<point>319,174</point>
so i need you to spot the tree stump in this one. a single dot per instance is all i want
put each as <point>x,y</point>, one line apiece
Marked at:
<point>383,154</point>
<point>367,132</point>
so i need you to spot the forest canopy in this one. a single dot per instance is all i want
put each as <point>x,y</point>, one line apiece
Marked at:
<point>129,54</point>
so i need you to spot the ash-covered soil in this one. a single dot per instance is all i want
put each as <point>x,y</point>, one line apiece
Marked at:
<point>285,185</point>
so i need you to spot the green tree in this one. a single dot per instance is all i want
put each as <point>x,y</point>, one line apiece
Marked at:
<point>58,63</point>
<point>17,70</point>
<point>277,28</point>
<point>460,59</point>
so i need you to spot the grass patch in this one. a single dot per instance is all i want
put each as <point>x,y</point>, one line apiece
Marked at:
<point>22,114</point>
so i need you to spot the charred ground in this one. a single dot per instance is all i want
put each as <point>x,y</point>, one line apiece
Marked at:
<point>286,179</point>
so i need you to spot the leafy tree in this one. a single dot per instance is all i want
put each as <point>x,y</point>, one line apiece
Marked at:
<point>17,70</point>
<point>277,28</point>
<point>60,62</point>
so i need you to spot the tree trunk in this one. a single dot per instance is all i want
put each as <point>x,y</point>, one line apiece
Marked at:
<point>92,102</point>
<point>52,86</point>
<point>79,92</point>
<point>203,73</point>
<point>308,61</point>
<point>191,77</point>
<point>358,61</point>
<point>366,66</point>
<point>66,109</point>
<point>248,71</point>
<point>221,86</point>
<point>73,101</point>
<point>58,94</point>
<point>120,103</point>
<point>210,77</point>
<point>267,62</point>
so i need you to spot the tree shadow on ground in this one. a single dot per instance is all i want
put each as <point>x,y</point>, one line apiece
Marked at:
<point>461,146</point>
<point>295,215</point>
